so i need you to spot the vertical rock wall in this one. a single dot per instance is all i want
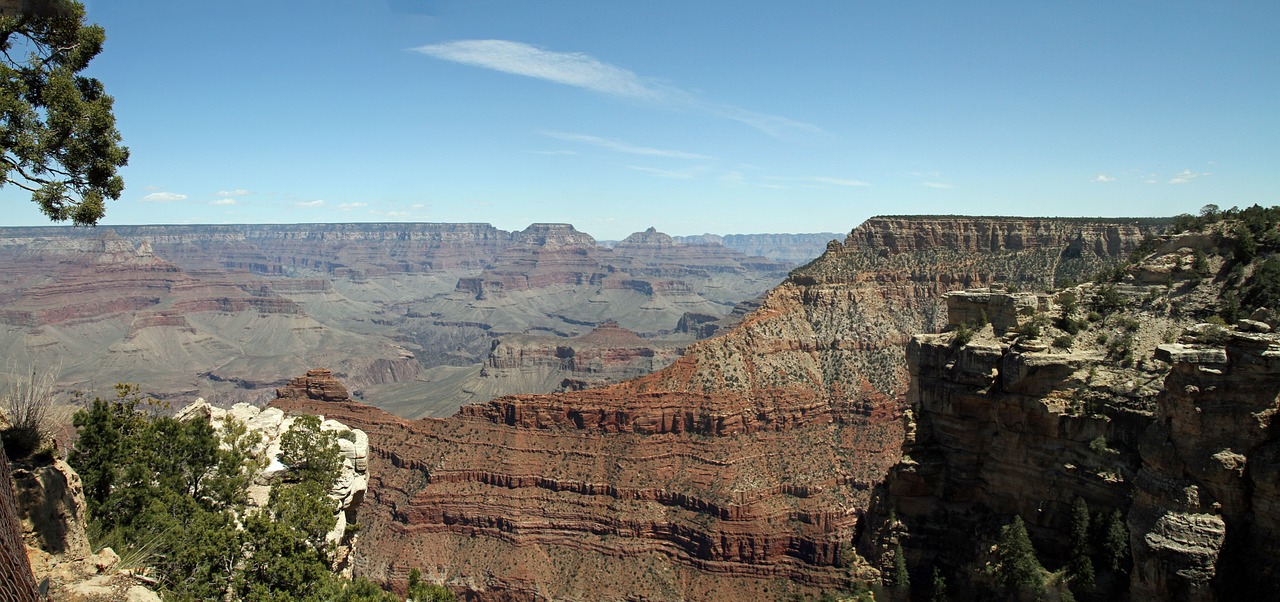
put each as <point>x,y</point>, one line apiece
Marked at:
<point>1204,523</point>
<point>16,582</point>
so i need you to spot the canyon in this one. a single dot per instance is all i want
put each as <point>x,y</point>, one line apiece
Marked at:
<point>751,466</point>
<point>406,314</point>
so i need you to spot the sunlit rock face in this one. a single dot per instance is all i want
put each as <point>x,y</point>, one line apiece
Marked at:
<point>742,469</point>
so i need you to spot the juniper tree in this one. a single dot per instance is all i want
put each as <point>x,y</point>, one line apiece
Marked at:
<point>58,137</point>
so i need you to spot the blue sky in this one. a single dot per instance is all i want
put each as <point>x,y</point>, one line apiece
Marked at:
<point>723,117</point>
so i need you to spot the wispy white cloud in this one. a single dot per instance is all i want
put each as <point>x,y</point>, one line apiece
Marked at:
<point>224,202</point>
<point>585,71</point>
<point>315,203</point>
<point>622,147</point>
<point>350,206</point>
<point>163,197</point>
<point>838,181</point>
<point>679,174</point>
<point>938,185</point>
<point>556,152</point>
<point>1186,176</point>
<point>236,192</point>
<point>1103,178</point>
<point>810,181</point>
<point>732,177</point>
<point>390,213</point>
<point>568,68</point>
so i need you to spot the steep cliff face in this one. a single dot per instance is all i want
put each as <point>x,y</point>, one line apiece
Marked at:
<point>1205,519</point>
<point>742,469</point>
<point>1138,409</point>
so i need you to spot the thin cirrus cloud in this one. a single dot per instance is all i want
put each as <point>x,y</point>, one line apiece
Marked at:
<point>315,203</point>
<point>622,147</point>
<point>938,185</point>
<point>224,202</point>
<point>679,174</point>
<point>582,70</point>
<point>236,192</point>
<point>812,181</point>
<point>1186,176</point>
<point>837,181</point>
<point>1103,178</point>
<point>350,206</point>
<point>163,197</point>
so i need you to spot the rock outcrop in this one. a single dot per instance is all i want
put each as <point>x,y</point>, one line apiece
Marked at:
<point>52,509</point>
<point>1022,418</point>
<point>1205,520</point>
<point>271,424</point>
<point>743,469</point>
<point>607,354</point>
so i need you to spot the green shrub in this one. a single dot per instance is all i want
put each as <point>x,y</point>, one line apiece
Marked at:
<point>1064,341</point>
<point>1106,299</point>
<point>1129,323</point>
<point>172,495</point>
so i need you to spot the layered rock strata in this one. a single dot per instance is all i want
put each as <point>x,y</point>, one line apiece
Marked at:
<point>222,311</point>
<point>607,354</point>
<point>742,469</point>
<point>1205,520</point>
<point>1177,436</point>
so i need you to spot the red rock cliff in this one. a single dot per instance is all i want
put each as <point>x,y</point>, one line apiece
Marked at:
<point>741,470</point>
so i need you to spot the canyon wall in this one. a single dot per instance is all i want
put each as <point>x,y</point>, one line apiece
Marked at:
<point>402,312</point>
<point>1138,409</point>
<point>744,468</point>
<point>794,248</point>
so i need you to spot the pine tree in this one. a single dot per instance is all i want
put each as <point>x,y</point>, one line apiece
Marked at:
<point>901,577</point>
<point>1018,572</point>
<point>1115,541</point>
<point>1080,568</point>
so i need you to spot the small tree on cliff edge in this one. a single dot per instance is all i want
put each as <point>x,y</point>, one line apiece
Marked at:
<point>58,137</point>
